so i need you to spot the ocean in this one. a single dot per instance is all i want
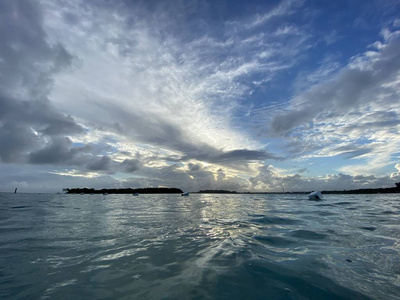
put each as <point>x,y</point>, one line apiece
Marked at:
<point>205,246</point>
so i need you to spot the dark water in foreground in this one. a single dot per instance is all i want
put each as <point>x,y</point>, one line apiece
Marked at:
<point>199,247</point>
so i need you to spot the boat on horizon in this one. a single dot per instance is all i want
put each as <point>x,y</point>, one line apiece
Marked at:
<point>185,194</point>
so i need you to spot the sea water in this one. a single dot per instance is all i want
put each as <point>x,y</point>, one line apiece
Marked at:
<point>205,246</point>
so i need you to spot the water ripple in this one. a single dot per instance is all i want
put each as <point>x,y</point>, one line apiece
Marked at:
<point>201,247</point>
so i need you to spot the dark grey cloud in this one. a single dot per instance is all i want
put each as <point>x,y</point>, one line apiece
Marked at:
<point>194,167</point>
<point>58,151</point>
<point>22,41</point>
<point>61,151</point>
<point>235,159</point>
<point>27,119</point>
<point>302,170</point>
<point>353,150</point>
<point>146,127</point>
<point>131,165</point>
<point>39,115</point>
<point>26,56</point>
<point>242,155</point>
<point>103,163</point>
<point>15,142</point>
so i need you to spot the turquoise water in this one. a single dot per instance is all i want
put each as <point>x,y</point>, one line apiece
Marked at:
<point>199,247</point>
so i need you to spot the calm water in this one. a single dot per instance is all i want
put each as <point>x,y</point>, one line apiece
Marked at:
<point>199,247</point>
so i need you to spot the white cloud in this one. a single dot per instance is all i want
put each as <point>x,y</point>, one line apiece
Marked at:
<point>270,179</point>
<point>395,176</point>
<point>390,35</point>
<point>148,83</point>
<point>284,8</point>
<point>332,37</point>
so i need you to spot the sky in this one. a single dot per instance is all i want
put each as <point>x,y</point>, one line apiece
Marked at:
<point>260,96</point>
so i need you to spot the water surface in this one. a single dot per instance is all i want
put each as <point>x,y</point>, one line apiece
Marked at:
<point>199,247</point>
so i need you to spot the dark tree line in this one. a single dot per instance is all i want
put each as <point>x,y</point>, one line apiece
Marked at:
<point>123,191</point>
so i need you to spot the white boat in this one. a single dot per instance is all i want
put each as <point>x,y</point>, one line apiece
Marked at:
<point>315,195</point>
<point>185,194</point>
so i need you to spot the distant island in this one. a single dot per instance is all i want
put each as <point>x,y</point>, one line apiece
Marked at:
<point>391,190</point>
<point>358,191</point>
<point>124,191</point>
<point>368,191</point>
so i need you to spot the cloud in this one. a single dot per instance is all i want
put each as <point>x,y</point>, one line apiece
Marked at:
<point>187,85</point>
<point>188,178</point>
<point>28,62</point>
<point>332,37</point>
<point>62,151</point>
<point>194,167</point>
<point>396,175</point>
<point>285,7</point>
<point>347,91</point>
<point>241,161</point>
<point>102,163</point>
<point>58,151</point>
<point>167,90</point>
<point>353,114</point>
<point>15,140</point>
<point>26,57</point>
<point>270,179</point>
<point>157,87</point>
<point>32,180</point>
<point>327,67</point>
<point>131,165</point>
